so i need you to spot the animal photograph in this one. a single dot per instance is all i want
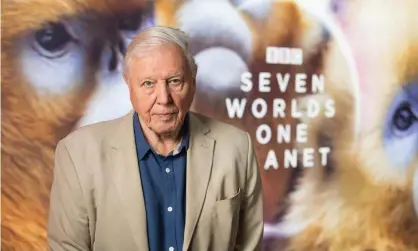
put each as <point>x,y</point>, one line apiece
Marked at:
<point>365,198</point>
<point>327,90</point>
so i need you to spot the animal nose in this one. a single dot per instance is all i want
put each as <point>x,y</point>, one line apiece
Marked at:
<point>415,192</point>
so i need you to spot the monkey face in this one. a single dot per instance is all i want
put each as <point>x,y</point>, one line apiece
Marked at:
<point>62,59</point>
<point>400,129</point>
<point>221,42</point>
<point>400,139</point>
<point>111,99</point>
<point>365,197</point>
<point>61,68</point>
<point>229,38</point>
<point>388,88</point>
<point>384,42</point>
<point>369,197</point>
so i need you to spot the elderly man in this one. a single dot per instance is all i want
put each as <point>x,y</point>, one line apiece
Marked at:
<point>161,177</point>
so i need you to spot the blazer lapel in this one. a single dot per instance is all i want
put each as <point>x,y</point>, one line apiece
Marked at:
<point>127,180</point>
<point>199,166</point>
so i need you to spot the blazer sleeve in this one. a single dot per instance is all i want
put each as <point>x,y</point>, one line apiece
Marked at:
<point>67,221</point>
<point>251,227</point>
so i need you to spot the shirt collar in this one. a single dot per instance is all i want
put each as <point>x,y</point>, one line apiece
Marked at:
<point>143,146</point>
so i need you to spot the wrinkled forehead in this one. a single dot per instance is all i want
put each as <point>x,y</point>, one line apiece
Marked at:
<point>162,56</point>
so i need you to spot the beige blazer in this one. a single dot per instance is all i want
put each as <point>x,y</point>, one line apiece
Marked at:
<point>97,203</point>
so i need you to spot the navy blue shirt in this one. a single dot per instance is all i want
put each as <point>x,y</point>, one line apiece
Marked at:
<point>163,181</point>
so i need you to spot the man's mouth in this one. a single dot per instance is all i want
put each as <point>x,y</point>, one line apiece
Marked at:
<point>165,116</point>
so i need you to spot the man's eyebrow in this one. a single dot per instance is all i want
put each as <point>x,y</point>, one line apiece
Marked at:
<point>145,79</point>
<point>175,74</point>
<point>168,76</point>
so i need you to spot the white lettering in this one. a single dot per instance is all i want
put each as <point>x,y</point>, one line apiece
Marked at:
<point>263,134</point>
<point>330,108</point>
<point>246,83</point>
<point>300,84</point>
<point>318,83</point>
<point>264,82</point>
<point>283,81</point>
<point>271,160</point>
<point>279,105</point>
<point>236,107</point>
<point>294,109</point>
<point>308,157</point>
<point>324,151</point>
<point>259,108</point>
<point>283,55</point>
<point>301,133</point>
<point>290,158</point>
<point>283,133</point>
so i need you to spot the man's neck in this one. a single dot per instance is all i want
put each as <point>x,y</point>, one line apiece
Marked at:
<point>163,144</point>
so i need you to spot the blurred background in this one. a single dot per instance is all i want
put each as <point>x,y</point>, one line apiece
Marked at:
<point>61,69</point>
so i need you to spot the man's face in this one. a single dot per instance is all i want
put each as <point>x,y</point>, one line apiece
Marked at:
<point>161,88</point>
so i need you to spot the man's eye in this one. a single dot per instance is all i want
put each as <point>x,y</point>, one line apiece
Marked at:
<point>175,81</point>
<point>147,83</point>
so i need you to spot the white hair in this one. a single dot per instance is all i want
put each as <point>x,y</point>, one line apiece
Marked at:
<point>160,35</point>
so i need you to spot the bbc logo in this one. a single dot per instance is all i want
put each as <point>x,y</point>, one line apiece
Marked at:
<point>283,55</point>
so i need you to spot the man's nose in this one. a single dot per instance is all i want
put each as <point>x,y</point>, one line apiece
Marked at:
<point>163,93</point>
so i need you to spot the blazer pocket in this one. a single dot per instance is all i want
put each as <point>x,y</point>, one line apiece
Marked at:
<point>227,219</point>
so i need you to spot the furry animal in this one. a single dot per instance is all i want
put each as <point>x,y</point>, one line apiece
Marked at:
<point>229,38</point>
<point>59,58</point>
<point>364,198</point>
<point>61,70</point>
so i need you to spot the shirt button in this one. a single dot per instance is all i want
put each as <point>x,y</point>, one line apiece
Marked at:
<point>170,209</point>
<point>167,170</point>
<point>171,249</point>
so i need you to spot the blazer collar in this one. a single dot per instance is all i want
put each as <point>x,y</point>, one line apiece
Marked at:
<point>124,133</point>
<point>127,180</point>
<point>198,172</point>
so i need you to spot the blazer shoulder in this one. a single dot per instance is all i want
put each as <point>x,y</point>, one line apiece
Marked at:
<point>92,134</point>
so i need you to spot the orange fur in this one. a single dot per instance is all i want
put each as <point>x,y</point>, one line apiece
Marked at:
<point>285,25</point>
<point>363,204</point>
<point>33,123</point>
<point>165,11</point>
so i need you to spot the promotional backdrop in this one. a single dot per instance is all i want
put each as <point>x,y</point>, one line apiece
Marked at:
<point>327,89</point>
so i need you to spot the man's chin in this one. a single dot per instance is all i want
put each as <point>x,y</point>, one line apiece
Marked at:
<point>164,130</point>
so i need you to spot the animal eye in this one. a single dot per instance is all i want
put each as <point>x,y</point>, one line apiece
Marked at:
<point>400,132</point>
<point>52,39</point>
<point>403,118</point>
